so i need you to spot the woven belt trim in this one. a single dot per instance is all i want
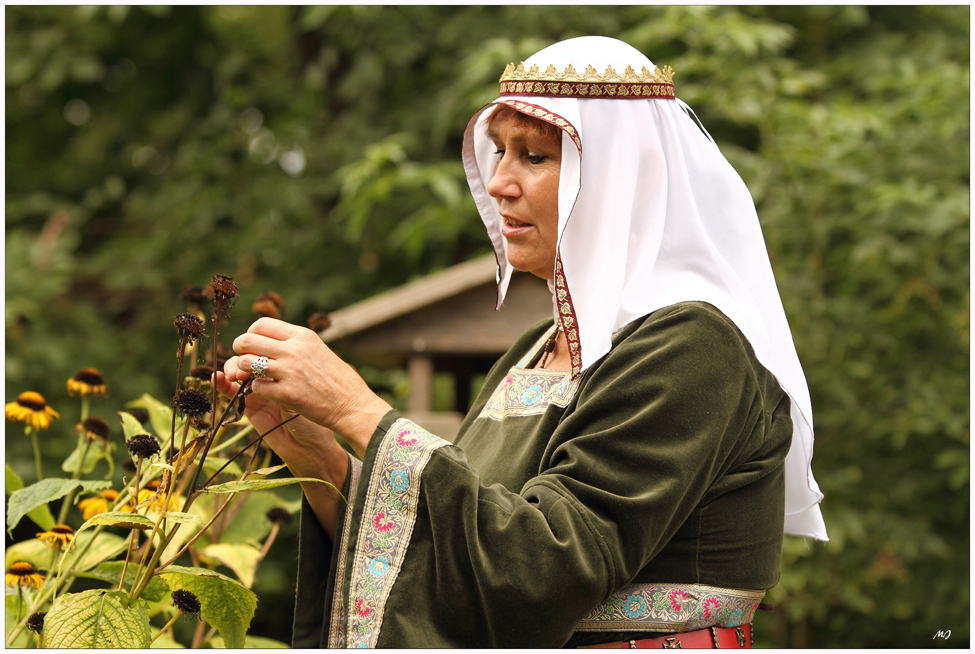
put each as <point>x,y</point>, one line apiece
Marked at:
<point>672,607</point>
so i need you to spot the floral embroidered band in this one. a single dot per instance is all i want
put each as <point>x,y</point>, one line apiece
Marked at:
<point>336,630</point>
<point>388,516</point>
<point>570,84</point>
<point>549,117</point>
<point>672,607</point>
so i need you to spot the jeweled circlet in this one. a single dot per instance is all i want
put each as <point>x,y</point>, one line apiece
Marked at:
<point>658,84</point>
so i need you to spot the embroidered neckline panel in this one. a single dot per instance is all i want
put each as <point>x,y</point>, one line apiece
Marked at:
<point>530,391</point>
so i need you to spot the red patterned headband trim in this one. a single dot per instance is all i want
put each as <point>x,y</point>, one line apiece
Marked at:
<point>580,90</point>
<point>541,113</point>
<point>629,85</point>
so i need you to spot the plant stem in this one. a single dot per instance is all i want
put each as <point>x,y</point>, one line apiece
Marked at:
<point>169,624</point>
<point>37,451</point>
<point>275,528</point>
<point>132,538</point>
<point>85,407</point>
<point>66,504</point>
<point>198,635</point>
<point>179,379</point>
<point>249,445</point>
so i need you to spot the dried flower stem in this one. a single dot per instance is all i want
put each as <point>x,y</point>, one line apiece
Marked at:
<point>133,537</point>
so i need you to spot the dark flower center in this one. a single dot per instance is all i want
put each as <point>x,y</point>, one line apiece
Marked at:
<point>36,621</point>
<point>22,569</point>
<point>193,295</point>
<point>62,529</point>
<point>142,445</point>
<point>319,322</point>
<point>224,287</point>
<point>186,601</point>
<point>97,426</point>
<point>192,402</point>
<point>32,401</point>
<point>189,326</point>
<point>90,376</point>
<point>202,372</point>
<point>279,515</point>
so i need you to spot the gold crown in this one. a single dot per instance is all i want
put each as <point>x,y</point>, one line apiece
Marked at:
<point>518,73</point>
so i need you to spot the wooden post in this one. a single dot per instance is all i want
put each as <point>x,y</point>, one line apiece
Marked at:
<point>421,383</point>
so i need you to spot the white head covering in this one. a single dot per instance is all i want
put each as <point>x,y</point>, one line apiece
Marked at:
<point>650,214</point>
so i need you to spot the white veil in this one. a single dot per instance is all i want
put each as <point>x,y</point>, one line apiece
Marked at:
<point>650,214</point>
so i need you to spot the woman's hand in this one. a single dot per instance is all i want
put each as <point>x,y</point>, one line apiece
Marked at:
<point>306,377</point>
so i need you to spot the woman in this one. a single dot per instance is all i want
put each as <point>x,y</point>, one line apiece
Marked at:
<point>623,475</point>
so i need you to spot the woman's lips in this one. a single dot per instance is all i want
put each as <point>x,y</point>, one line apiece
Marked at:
<point>512,227</point>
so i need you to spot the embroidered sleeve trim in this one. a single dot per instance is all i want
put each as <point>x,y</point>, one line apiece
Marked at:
<point>567,314</point>
<point>541,113</point>
<point>336,630</point>
<point>388,517</point>
<point>672,607</point>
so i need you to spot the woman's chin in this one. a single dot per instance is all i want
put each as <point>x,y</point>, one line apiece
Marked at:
<point>534,265</point>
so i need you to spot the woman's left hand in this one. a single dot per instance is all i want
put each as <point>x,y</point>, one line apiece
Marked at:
<point>305,376</point>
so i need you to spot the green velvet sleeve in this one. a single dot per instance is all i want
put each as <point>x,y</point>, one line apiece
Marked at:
<point>438,556</point>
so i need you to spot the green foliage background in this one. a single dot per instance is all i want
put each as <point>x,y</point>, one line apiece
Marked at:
<point>314,151</point>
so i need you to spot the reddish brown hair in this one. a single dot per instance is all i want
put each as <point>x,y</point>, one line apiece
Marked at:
<point>505,115</point>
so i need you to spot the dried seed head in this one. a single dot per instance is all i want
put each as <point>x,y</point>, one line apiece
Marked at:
<point>223,288</point>
<point>189,327</point>
<point>193,295</point>
<point>273,297</point>
<point>36,621</point>
<point>265,309</point>
<point>186,601</point>
<point>142,415</point>
<point>202,372</point>
<point>95,428</point>
<point>142,445</point>
<point>319,322</point>
<point>192,402</point>
<point>279,516</point>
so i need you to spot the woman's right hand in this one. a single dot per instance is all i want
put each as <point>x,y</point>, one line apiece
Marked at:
<point>309,449</point>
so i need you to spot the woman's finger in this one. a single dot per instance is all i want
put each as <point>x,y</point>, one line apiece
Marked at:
<point>258,344</point>
<point>272,328</point>
<point>246,366</point>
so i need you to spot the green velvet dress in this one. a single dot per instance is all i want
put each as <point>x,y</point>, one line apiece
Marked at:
<point>645,496</point>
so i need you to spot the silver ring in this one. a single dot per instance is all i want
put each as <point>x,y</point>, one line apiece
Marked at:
<point>259,367</point>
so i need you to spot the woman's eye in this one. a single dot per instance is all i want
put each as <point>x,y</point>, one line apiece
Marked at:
<point>537,158</point>
<point>499,152</point>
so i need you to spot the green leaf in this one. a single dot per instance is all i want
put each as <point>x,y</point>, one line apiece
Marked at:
<point>225,603</point>
<point>93,455</point>
<point>47,490</point>
<point>96,619</point>
<point>251,642</point>
<point>24,638</point>
<point>259,484</point>
<point>119,519</point>
<point>111,571</point>
<point>251,524</point>
<point>264,472</point>
<point>41,515</point>
<point>239,557</point>
<point>160,416</point>
<point>183,518</point>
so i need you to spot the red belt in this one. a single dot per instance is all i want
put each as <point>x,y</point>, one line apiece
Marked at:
<point>711,638</point>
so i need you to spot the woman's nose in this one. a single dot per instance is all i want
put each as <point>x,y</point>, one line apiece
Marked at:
<point>503,183</point>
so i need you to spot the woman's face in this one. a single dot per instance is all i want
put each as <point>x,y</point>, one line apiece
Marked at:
<point>526,186</point>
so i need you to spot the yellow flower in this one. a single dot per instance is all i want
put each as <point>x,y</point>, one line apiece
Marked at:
<point>58,536</point>
<point>87,381</point>
<point>23,574</point>
<point>150,491</point>
<point>92,506</point>
<point>32,409</point>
